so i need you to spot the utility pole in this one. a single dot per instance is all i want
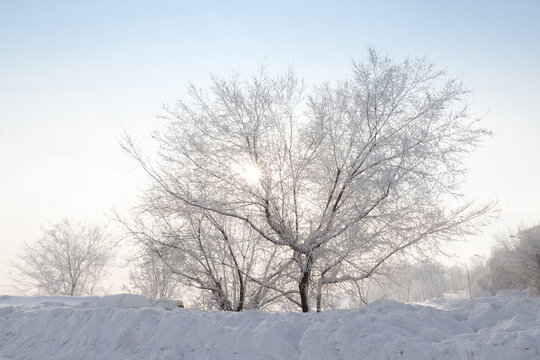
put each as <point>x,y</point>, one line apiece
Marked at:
<point>491,271</point>
<point>469,281</point>
<point>538,261</point>
<point>468,278</point>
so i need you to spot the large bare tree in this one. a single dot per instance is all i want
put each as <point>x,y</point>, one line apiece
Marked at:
<point>343,178</point>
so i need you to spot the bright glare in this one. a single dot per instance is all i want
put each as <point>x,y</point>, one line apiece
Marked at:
<point>250,173</point>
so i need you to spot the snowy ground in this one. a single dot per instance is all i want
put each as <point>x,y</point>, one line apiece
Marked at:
<point>129,327</point>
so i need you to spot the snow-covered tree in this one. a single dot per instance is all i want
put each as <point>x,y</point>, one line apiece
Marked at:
<point>222,261</point>
<point>515,260</point>
<point>69,259</point>
<point>403,280</point>
<point>341,179</point>
<point>151,276</point>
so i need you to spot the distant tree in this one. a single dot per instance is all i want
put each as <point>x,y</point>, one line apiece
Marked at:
<point>341,180</point>
<point>151,276</point>
<point>407,281</point>
<point>515,260</point>
<point>67,260</point>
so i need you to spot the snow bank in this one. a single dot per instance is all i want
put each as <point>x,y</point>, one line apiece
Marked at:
<point>121,301</point>
<point>506,326</point>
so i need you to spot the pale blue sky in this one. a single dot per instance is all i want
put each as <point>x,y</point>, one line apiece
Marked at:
<point>73,74</point>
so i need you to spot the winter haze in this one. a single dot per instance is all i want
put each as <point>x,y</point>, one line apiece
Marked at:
<point>75,76</point>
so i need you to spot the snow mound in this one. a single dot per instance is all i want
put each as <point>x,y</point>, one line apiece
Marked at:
<point>121,301</point>
<point>506,326</point>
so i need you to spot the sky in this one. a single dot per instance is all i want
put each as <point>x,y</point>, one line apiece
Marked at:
<point>75,74</point>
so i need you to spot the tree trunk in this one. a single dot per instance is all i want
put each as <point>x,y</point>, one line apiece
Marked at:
<point>303,286</point>
<point>242,295</point>
<point>319,295</point>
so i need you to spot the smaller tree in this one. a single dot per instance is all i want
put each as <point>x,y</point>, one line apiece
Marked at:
<point>67,260</point>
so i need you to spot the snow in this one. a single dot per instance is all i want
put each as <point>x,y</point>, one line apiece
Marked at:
<point>506,326</point>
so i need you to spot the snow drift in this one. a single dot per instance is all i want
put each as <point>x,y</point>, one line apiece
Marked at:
<point>506,326</point>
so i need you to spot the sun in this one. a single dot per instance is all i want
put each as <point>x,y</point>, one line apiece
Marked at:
<point>250,173</point>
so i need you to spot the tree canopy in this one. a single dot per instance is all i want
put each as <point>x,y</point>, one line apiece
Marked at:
<point>314,189</point>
